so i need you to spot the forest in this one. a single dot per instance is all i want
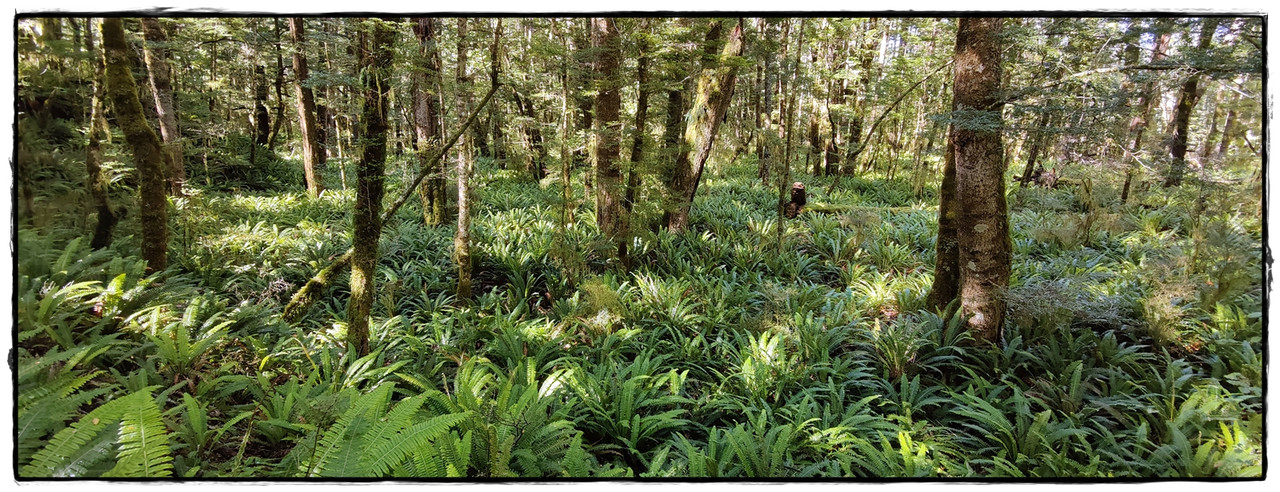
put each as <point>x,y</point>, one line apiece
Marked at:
<point>638,248</point>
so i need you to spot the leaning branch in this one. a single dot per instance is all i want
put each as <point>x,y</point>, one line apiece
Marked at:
<point>306,295</point>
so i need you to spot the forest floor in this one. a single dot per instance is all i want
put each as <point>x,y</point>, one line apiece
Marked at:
<point>1133,346</point>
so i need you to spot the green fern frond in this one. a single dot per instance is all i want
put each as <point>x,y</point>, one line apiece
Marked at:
<point>59,457</point>
<point>144,441</point>
<point>390,451</point>
<point>337,454</point>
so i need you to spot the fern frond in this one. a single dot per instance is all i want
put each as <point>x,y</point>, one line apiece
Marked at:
<point>385,453</point>
<point>337,454</point>
<point>144,441</point>
<point>57,458</point>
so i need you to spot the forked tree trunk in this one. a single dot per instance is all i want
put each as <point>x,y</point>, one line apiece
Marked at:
<point>306,111</point>
<point>375,65</point>
<point>162,89</point>
<point>148,156</point>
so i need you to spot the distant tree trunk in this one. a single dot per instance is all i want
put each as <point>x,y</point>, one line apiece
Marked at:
<point>637,144</point>
<point>1138,125</point>
<point>537,148</point>
<point>1038,138</point>
<point>1182,116</point>
<point>375,66</point>
<point>279,85</point>
<point>1208,146</point>
<point>462,237</point>
<point>426,120</point>
<point>611,216</point>
<point>261,119</point>
<point>147,153</point>
<point>715,90</point>
<point>93,155</point>
<point>855,145</point>
<point>982,222</point>
<point>306,110</point>
<point>158,75</point>
<point>1229,129</point>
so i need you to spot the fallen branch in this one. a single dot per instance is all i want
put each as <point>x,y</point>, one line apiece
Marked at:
<point>306,295</point>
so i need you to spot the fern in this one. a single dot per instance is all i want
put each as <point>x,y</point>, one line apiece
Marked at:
<point>144,441</point>
<point>140,445</point>
<point>368,441</point>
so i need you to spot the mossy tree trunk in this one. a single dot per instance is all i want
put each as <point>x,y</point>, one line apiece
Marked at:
<point>93,154</point>
<point>375,64</point>
<point>946,266</point>
<point>611,216</point>
<point>711,103</point>
<point>148,155</point>
<point>306,104</point>
<point>158,74</point>
<point>1187,100</point>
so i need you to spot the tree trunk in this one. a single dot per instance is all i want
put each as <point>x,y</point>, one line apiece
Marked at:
<point>1138,125</point>
<point>715,90</point>
<point>148,156</point>
<point>261,119</point>
<point>93,153</point>
<point>279,85</point>
<point>462,237</point>
<point>1229,130</point>
<point>158,75</point>
<point>982,224</point>
<point>637,144</point>
<point>611,216</point>
<point>1182,116</point>
<point>946,266</point>
<point>375,66</point>
<point>427,86</point>
<point>306,110</point>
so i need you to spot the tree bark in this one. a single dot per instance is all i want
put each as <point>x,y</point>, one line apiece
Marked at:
<point>427,87</point>
<point>972,211</point>
<point>306,110</point>
<point>93,153</point>
<point>1182,116</point>
<point>375,64</point>
<point>162,89</point>
<point>611,216</point>
<point>148,156</point>
<point>715,90</point>
<point>637,144</point>
<point>462,237</point>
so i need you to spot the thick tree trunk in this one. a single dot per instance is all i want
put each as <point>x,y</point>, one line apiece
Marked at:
<point>93,153</point>
<point>1182,116</point>
<point>306,110</point>
<point>162,89</point>
<point>982,224</point>
<point>375,65</point>
<point>611,216</point>
<point>426,120</point>
<point>715,90</point>
<point>148,156</point>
